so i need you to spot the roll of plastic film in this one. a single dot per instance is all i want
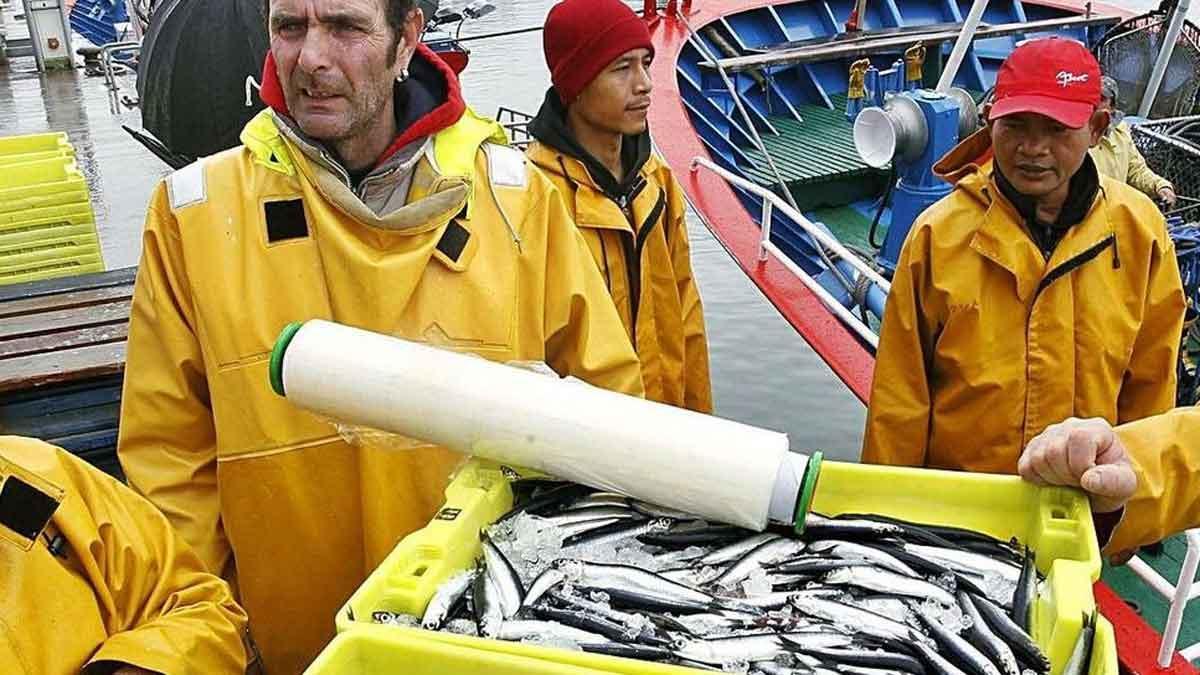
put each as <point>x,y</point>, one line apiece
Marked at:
<point>714,468</point>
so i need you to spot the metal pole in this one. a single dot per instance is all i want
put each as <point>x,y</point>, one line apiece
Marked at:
<point>1183,588</point>
<point>1164,57</point>
<point>965,37</point>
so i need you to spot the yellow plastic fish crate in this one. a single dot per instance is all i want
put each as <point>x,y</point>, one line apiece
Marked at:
<point>56,142</point>
<point>64,174</point>
<point>43,195</point>
<point>1055,522</point>
<point>386,650</point>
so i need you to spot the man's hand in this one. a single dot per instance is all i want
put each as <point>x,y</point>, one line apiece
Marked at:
<point>1085,454</point>
<point>1167,195</point>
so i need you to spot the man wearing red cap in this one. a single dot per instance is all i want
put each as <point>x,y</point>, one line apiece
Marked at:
<point>593,144</point>
<point>1035,291</point>
<point>369,194</point>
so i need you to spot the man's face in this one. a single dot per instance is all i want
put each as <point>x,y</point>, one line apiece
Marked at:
<point>1039,155</point>
<point>337,61</point>
<point>618,99</point>
<point>1106,104</point>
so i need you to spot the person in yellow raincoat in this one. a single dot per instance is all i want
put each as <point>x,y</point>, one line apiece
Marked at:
<point>1034,292</point>
<point>592,141</point>
<point>94,580</point>
<point>1117,157</point>
<point>366,194</point>
<point>1141,476</point>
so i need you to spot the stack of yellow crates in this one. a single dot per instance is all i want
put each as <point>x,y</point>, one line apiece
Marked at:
<point>47,226</point>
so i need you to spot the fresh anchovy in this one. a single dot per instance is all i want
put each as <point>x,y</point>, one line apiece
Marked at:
<point>549,500</point>
<point>601,537</point>
<point>980,635</point>
<point>848,616</point>
<point>978,564</point>
<point>521,630</point>
<point>894,608</point>
<point>966,655</point>
<point>720,651</point>
<point>597,608</point>
<point>938,663</point>
<point>687,555</point>
<point>692,576</point>
<point>1023,646</point>
<point>712,534</point>
<point>447,595</point>
<point>815,524</point>
<point>764,554</point>
<point>542,584</point>
<point>601,499</point>
<point>784,580</point>
<point>640,588</point>
<point>1081,653</point>
<point>851,551</point>
<point>883,581</point>
<point>584,526</point>
<point>593,513</point>
<point>1026,593</point>
<point>773,600</point>
<point>773,668</point>
<point>846,669</point>
<point>486,602</point>
<point>585,621</point>
<point>811,566</point>
<point>628,651</point>
<point>816,640</point>
<point>738,549</point>
<point>867,658</point>
<point>508,584</point>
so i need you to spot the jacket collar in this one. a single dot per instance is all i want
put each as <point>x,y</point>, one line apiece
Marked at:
<point>1002,237</point>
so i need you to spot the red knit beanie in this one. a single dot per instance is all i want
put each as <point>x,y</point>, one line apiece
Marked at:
<point>583,36</point>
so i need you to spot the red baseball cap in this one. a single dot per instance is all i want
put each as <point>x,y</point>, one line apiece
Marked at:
<point>1055,77</point>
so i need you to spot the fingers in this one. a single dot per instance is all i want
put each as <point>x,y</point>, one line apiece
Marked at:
<point>1110,486</point>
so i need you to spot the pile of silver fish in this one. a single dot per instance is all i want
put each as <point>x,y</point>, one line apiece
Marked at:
<point>855,595</point>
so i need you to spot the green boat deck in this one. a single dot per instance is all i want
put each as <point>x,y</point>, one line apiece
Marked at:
<point>816,158</point>
<point>1150,605</point>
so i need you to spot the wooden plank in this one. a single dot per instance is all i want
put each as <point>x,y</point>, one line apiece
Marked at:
<point>63,320</point>
<point>38,370</point>
<point>842,48</point>
<point>68,300</point>
<point>58,342</point>
<point>33,289</point>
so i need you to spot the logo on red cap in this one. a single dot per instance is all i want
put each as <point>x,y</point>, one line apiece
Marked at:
<point>1066,79</point>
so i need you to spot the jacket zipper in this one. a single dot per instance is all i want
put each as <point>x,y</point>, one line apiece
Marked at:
<point>633,255</point>
<point>1077,262</point>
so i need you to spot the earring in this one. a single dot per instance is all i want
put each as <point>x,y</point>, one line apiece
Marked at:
<point>403,75</point>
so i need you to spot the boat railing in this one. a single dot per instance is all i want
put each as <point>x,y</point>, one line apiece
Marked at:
<point>516,123</point>
<point>1183,591</point>
<point>767,249</point>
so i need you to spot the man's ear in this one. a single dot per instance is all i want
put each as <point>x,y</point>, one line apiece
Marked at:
<point>1099,124</point>
<point>410,37</point>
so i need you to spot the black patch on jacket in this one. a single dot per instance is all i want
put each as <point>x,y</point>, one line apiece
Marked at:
<point>25,509</point>
<point>285,220</point>
<point>454,240</point>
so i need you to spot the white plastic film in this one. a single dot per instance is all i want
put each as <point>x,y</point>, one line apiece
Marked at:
<point>715,468</point>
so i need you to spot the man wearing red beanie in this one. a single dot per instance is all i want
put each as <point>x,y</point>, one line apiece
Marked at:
<point>1036,291</point>
<point>593,143</point>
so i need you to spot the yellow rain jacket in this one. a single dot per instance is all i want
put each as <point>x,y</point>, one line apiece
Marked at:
<point>1166,454</point>
<point>481,257</point>
<point>119,587</point>
<point>985,343</point>
<point>644,247</point>
<point>1117,157</point>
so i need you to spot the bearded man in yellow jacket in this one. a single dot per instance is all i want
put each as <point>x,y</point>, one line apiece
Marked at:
<point>1035,292</point>
<point>370,195</point>
<point>94,580</point>
<point>593,143</point>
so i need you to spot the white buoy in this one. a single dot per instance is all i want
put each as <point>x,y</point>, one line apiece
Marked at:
<point>712,467</point>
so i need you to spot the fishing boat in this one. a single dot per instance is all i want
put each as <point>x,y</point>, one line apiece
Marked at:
<point>752,112</point>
